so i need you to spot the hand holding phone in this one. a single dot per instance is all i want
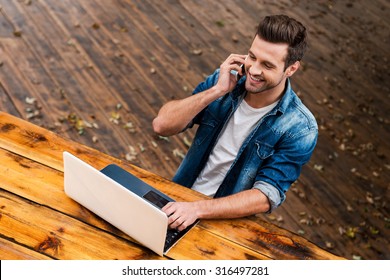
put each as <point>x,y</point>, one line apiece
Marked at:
<point>237,74</point>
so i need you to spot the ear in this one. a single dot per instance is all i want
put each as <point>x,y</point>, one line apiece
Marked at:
<point>292,69</point>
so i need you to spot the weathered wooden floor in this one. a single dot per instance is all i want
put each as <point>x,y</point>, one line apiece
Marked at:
<point>98,71</point>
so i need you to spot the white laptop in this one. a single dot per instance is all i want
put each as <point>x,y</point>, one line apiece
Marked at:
<point>123,200</point>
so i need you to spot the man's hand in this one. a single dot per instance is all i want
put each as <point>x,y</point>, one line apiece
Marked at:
<point>181,214</point>
<point>175,115</point>
<point>227,81</point>
<point>242,204</point>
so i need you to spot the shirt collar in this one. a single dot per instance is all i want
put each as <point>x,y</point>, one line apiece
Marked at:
<point>239,92</point>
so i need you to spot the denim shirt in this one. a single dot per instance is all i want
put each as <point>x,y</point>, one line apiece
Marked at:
<point>270,158</point>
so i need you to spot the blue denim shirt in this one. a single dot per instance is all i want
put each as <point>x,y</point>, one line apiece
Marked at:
<point>270,158</point>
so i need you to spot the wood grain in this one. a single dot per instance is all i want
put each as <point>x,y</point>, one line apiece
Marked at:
<point>60,236</point>
<point>11,251</point>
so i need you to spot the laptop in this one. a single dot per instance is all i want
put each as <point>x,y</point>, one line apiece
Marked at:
<point>123,200</point>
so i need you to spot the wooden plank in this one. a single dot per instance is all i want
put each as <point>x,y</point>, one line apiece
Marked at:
<point>200,244</point>
<point>60,236</point>
<point>6,103</point>
<point>11,251</point>
<point>270,240</point>
<point>6,100</point>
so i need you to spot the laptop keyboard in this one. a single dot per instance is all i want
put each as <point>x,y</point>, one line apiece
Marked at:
<point>174,235</point>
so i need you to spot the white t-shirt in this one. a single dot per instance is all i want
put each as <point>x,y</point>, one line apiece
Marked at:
<point>225,151</point>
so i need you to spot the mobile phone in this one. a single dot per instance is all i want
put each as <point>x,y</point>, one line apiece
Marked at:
<point>238,77</point>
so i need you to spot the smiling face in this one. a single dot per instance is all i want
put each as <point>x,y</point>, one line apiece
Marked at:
<point>265,71</point>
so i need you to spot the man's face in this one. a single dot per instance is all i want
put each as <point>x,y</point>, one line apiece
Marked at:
<point>264,66</point>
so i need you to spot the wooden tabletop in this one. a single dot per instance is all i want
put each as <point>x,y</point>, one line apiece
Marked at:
<point>39,221</point>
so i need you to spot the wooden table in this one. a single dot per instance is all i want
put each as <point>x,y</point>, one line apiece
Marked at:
<point>39,221</point>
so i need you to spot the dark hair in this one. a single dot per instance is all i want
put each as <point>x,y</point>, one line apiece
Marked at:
<point>283,29</point>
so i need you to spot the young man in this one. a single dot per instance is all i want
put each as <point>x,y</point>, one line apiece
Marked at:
<point>254,134</point>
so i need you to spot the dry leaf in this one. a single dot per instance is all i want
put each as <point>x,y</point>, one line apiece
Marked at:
<point>280,219</point>
<point>115,117</point>
<point>178,153</point>
<point>197,52</point>
<point>30,100</point>
<point>329,245</point>
<point>271,217</point>
<point>374,230</point>
<point>130,127</point>
<point>154,144</point>
<point>319,167</point>
<point>132,154</point>
<point>141,147</point>
<point>17,33</point>
<point>187,142</point>
<point>220,23</point>
<point>351,232</point>
<point>76,122</point>
<point>163,138</point>
<point>32,113</point>
<point>369,198</point>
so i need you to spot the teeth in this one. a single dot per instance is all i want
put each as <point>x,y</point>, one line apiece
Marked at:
<point>257,80</point>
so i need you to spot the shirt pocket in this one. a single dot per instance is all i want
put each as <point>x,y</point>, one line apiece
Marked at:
<point>260,152</point>
<point>263,150</point>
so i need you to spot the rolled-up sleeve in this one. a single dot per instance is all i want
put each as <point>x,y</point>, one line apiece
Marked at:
<point>275,198</point>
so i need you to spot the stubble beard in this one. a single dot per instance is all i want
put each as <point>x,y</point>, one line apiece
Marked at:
<point>266,87</point>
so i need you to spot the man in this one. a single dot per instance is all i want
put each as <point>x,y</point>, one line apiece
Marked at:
<point>254,133</point>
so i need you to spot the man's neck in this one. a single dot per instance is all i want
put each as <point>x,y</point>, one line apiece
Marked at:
<point>263,99</point>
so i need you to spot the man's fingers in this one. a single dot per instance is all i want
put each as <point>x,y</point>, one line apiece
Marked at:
<point>179,215</point>
<point>176,223</point>
<point>168,209</point>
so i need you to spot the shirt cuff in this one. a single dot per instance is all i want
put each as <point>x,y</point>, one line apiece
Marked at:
<point>271,193</point>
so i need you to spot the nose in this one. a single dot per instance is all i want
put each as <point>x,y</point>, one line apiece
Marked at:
<point>255,69</point>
